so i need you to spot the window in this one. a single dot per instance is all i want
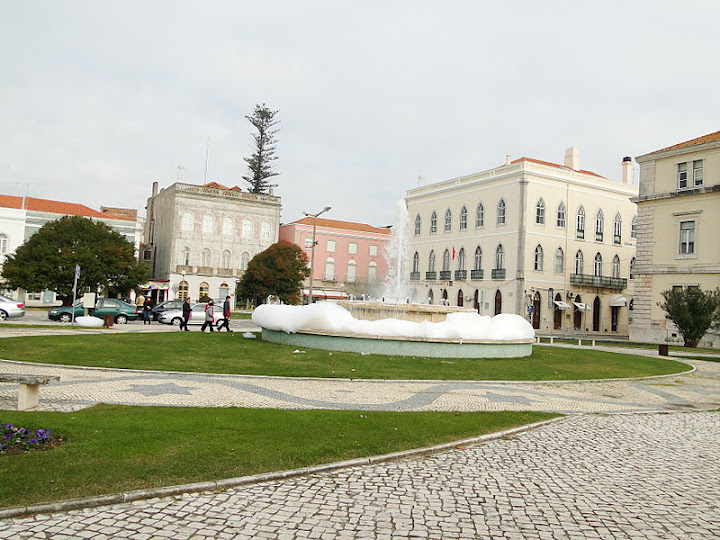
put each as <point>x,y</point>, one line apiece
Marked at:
<point>330,246</point>
<point>478,258</point>
<point>687,237</point>
<point>265,232</point>
<point>247,229</point>
<point>461,259</point>
<point>183,291</point>
<point>540,212</point>
<point>187,221</point>
<point>617,229</point>
<point>416,263</point>
<point>682,175</point>
<point>223,290</point>
<point>480,215</point>
<point>418,224</point>
<point>698,173</point>
<point>3,243</point>
<point>446,261</point>
<point>499,257</point>
<point>560,221</point>
<point>632,267</point>
<point>244,260</point>
<point>205,257</point>
<point>352,248</point>
<point>559,261</point>
<point>329,269</point>
<point>463,218</point>
<point>351,271</point>
<point>616,267</point>
<point>372,271</point>
<point>433,223</point>
<point>501,212</point>
<point>228,226</point>
<point>225,259</point>
<point>431,261</point>
<point>203,291</point>
<point>579,262</point>
<point>580,223</point>
<point>373,250</point>
<point>597,269</point>
<point>633,227</point>
<point>599,225</point>
<point>208,224</point>
<point>448,220</point>
<point>185,256</point>
<point>539,258</point>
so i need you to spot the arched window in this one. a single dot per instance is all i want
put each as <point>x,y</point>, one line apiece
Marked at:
<point>228,226</point>
<point>448,220</point>
<point>559,261</point>
<point>580,223</point>
<point>372,271</point>
<point>208,224</point>
<point>540,212</point>
<point>633,227</point>
<point>431,297</point>
<point>223,291</point>
<point>433,222</point>
<point>500,257</point>
<point>225,260</point>
<point>461,259</point>
<point>632,267</point>
<point>480,215</point>
<point>599,225</point>
<point>539,258</point>
<point>183,290</point>
<point>616,267</point>
<point>478,258</point>
<point>351,271</point>
<point>501,212</point>
<point>597,269</point>
<point>560,221</point>
<point>185,256</point>
<point>617,229</point>
<point>431,261</point>
<point>416,263</point>
<point>3,243</point>
<point>265,232</point>
<point>418,224</point>
<point>579,262</point>
<point>188,221</point>
<point>205,260</point>
<point>244,260</point>
<point>329,269</point>
<point>446,261</point>
<point>203,292</point>
<point>463,218</point>
<point>247,229</point>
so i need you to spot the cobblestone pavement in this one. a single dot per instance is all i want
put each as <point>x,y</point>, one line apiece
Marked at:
<point>644,476</point>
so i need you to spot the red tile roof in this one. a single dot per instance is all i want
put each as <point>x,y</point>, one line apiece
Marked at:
<point>547,163</point>
<point>56,207</point>
<point>692,142</point>
<point>220,186</point>
<point>336,224</point>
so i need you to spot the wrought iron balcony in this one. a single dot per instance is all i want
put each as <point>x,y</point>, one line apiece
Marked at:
<point>498,273</point>
<point>414,276</point>
<point>461,274</point>
<point>476,274</point>
<point>430,276</point>
<point>445,275</point>
<point>598,281</point>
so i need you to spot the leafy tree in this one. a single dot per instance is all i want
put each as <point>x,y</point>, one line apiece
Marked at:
<point>47,260</point>
<point>693,311</point>
<point>261,161</point>
<point>279,270</point>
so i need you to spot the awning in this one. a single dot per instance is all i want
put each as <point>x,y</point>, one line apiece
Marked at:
<point>562,305</point>
<point>326,294</point>
<point>618,300</point>
<point>582,306</point>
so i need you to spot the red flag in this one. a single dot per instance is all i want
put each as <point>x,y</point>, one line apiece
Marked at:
<point>453,256</point>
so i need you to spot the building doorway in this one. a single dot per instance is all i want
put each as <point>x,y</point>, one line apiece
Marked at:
<point>431,297</point>
<point>596,314</point>
<point>577,314</point>
<point>536,311</point>
<point>614,316</point>
<point>498,302</point>
<point>557,313</point>
<point>460,298</point>
<point>476,301</point>
<point>445,298</point>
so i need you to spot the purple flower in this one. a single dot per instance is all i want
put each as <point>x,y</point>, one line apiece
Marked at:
<point>7,426</point>
<point>8,436</point>
<point>22,432</point>
<point>34,441</point>
<point>41,434</point>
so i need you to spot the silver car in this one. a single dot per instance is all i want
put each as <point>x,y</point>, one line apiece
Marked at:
<point>197,316</point>
<point>11,309</point>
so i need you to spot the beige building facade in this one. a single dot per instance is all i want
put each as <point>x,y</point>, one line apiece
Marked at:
<point>678,224</point>
<point>200,239</point>
<point>551,242</point>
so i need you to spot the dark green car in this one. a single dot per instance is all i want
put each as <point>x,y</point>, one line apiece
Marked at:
<point>122,312</point>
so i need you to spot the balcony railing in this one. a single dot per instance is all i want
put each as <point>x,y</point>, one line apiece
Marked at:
<point>461,274</point>
<point>226,272</point>
<point>184,269</point>
<point>598,281</point>
<point>476,274</point>
<point>445,275</point>
<point>498,273</point>
<point>430,276</point>
<point>205,270</point>
<point>414,276</point>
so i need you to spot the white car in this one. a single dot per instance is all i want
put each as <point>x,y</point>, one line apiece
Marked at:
<point>197,316</point>
<point>11,309</point>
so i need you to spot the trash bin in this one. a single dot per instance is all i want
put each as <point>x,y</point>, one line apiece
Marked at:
<point>108,320</point>
<point>663,349</point>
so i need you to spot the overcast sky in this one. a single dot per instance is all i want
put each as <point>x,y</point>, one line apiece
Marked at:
<point>98,99</point>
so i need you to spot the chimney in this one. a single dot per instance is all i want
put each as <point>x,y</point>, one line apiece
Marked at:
<point>507,159</point>
<point>627,170</point>
<point>155,189</point>
<point>572,158</point>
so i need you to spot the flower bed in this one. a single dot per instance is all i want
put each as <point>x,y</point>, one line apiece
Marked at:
<point>19,440</point>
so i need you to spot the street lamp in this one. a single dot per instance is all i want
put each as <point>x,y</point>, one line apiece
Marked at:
<point>312,251</point>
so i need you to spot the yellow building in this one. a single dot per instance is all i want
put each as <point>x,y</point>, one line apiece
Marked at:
<point>678,224</point>
<point>552,242</point>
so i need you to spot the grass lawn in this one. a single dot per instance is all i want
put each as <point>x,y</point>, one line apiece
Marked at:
<point>231,353</point>
<point>113,448</point>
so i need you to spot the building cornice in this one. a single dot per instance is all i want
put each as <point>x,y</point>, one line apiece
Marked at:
<point>675,194</point>
<point>679,151</point>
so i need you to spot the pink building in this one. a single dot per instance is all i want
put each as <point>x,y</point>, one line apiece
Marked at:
<point>349,257</point>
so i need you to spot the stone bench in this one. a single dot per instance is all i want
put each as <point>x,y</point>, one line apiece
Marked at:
<point>29,388</point>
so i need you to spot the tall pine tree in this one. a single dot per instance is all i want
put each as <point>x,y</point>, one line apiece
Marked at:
<point>261,161</point>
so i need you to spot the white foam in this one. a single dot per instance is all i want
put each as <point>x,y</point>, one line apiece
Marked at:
<point>94,322</point>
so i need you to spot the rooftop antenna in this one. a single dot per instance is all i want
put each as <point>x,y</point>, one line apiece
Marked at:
<point>420,179</point>
<point>177,175</point>
<point>207,153</point>
<point>27,191</point>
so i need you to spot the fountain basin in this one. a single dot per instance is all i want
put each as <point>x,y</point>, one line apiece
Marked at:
<point>373,311</point>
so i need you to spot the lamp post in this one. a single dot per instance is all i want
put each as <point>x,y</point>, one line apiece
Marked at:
<point>312,251</point>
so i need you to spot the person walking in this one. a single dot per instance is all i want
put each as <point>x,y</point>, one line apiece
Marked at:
<point>147,306</point>
<point>209,317</point>
<point>226,315</point>
<point>186,313</point>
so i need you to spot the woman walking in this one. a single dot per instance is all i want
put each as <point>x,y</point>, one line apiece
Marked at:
<point>209,317</point>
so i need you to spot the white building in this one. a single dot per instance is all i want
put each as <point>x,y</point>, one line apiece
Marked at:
<point>551,242</point>
<point>200,239</point>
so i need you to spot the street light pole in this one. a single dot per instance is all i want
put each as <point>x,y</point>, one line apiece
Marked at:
<point>312,251</point>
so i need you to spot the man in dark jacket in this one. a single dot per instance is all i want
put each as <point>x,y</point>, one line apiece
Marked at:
<point>226,315</point>
<point>186,310</point>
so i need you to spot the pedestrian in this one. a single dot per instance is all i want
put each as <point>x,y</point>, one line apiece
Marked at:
<point>226,314</point>
<point>147,306</point>
<point>139,301</point>
<point>209,317</point>
<point>186,313</point>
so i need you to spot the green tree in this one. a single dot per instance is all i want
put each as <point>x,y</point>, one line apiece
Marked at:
<point>279,271</point>
<point>47,260</point>
<point>692,310</point>
<point>261,161</point>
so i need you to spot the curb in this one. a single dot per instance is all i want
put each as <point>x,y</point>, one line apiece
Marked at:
<point>228,483</point>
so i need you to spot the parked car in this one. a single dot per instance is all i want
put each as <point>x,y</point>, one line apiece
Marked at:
<point>162,307</point>
<point>197,315</point>
<point>11,309</point>
<point>122,312</point>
